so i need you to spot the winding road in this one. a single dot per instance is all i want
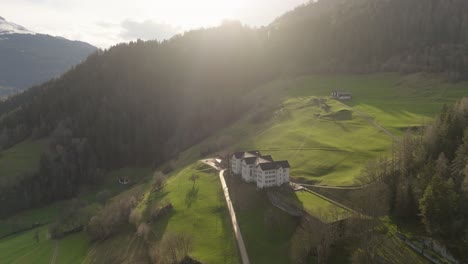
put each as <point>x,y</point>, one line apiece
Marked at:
<point>235,224</point>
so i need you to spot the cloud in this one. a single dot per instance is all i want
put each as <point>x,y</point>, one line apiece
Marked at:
<point>147,30</point>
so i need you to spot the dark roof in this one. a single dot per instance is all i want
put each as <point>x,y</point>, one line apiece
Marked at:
<point>241,154</point>
<point>274,165</point>
<point>254,152</point>
<point>250,160</point>
<point>267,157</point>
<point>238,155</point>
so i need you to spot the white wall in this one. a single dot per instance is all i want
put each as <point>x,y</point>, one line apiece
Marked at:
<point>235,165</point>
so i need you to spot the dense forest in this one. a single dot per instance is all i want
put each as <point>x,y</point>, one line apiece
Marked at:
<point>363,36</point>
<point>142,103</point>
<point>426,176</point>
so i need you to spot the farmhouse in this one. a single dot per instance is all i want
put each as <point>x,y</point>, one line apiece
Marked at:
<point>258,169</point>
<point>341,95</point>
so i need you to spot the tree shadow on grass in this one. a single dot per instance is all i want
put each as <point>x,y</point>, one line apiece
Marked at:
<point>191,196</point>
<point>160,226</point>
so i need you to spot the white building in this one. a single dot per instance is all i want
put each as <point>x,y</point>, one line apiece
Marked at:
<point>236,160</point>
<point>262,170</point>
<point>271,174</point>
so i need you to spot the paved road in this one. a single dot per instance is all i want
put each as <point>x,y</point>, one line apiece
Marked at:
<point>235,224</point>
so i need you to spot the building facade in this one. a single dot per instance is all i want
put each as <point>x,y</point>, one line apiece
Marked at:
<point>261,170</point>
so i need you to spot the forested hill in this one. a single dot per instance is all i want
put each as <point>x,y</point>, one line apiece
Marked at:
<point>373,36</point>
<point>135,104</point>
<point>142,103</point>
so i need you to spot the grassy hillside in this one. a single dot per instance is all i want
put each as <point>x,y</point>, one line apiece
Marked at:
<point>284,122</point>
<point>394,101</point>
<point>71,249</point>
<point>200,210</point>
<point>323,146</point>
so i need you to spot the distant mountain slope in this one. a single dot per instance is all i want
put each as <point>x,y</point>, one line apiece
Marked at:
<point>27,58</point>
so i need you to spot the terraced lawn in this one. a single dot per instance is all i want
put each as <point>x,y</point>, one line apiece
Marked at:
<point>320,208</point>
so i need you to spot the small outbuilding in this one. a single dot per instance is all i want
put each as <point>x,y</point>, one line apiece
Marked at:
<point>341,95</point>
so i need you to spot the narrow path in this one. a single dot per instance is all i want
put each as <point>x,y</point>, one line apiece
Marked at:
<point>235,224</point>
<point>369,119</point>
<point>54,256</point>
<point>335,187</point>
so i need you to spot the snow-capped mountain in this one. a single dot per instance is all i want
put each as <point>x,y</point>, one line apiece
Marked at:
<point>7,27</point>
<point>28,58</point>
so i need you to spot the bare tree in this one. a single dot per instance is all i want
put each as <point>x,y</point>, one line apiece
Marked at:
<point>158,181</point>
<point>194,179</point>
<point>143,231</point>
<point>36,235</point>
<point>173,248</point>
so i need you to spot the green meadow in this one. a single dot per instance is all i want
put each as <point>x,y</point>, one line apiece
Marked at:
<point>395,101</point>
<point>23,248</point>
<point>284,123</point>
<point>199,210</point>
<point>320,208</point>
<point>267,231</point>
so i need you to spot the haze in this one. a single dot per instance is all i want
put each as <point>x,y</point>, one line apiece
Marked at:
<point>106,22</point>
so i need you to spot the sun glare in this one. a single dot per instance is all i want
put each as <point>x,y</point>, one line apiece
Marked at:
<point>199,13</point>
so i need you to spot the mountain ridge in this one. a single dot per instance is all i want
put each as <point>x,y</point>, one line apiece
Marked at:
<point>7,27</point>
<point>30,58</point>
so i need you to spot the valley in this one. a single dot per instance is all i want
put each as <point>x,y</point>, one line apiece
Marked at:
<point>283,119</point>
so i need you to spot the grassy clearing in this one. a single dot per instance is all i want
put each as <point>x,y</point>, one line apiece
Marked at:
<point>73,248</point>
<point>394,101</point>
<point>23,158</point>
<point>28,218</point>
<point>110,182</point>
<point>266,230</point>
<point>22,248</point>
<point>320,208</point>
<point>200,210</point>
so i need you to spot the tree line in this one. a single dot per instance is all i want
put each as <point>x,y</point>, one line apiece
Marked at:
<point>426,177</point>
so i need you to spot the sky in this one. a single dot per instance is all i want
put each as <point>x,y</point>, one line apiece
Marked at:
<point>104,23</point>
